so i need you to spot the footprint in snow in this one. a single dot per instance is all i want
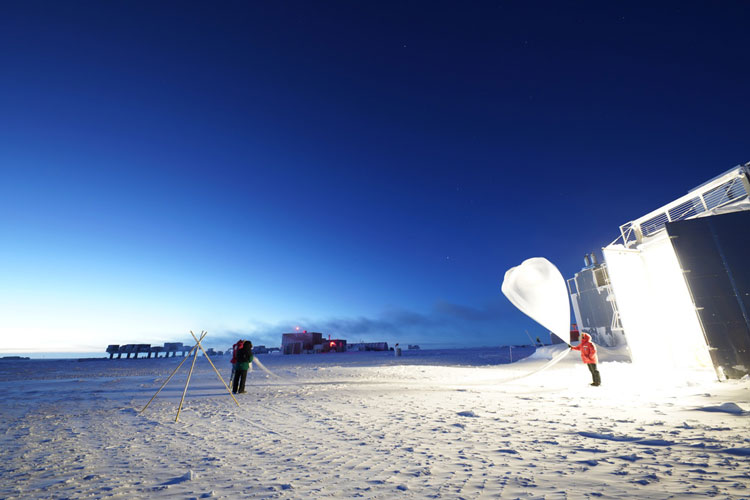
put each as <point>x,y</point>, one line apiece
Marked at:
<point>732,408</point>
<point>188,476</point>
<point>467,413</point>
<point>509,451</point>
<point>591,463</point>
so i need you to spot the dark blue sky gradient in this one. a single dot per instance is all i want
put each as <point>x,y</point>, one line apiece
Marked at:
<point>369,170</point>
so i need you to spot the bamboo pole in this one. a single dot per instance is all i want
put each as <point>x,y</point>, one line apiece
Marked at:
<point>214,367</point>
<point>168,379</point>
<point>190,374</point>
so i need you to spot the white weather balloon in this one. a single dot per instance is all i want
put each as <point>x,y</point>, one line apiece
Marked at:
<point>538,289</point>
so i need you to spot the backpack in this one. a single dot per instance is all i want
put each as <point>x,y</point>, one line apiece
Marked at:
<point>243,355</point>
<point>235,349</point>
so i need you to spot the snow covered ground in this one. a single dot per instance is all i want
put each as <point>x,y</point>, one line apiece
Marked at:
<point>431,424</point>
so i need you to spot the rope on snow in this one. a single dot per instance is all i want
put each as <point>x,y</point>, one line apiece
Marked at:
<point>549,364</point>
<point>262,367</point>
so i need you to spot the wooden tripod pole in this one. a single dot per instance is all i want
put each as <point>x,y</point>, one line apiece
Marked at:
<point>169,378</point>
<point>214,367</point>
<point>190,374</point>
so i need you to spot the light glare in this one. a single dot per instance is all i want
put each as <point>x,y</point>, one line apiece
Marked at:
<point>660,322</point>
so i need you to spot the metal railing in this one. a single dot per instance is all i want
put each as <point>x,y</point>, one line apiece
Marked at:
<point>727,188</point>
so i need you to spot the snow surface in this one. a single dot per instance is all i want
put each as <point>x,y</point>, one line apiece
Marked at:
<point>430,424</point>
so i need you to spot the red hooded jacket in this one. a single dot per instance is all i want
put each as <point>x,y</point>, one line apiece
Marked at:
<point>236,347</point>
<point>588,349</point>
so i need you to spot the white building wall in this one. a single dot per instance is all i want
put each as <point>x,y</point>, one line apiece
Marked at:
<point>656,311</point>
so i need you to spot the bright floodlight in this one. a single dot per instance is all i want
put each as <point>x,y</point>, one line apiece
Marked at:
<point>655,307</point>
<point>538,289</point>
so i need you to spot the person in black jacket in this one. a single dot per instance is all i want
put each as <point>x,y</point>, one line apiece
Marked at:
<point>244,358</point>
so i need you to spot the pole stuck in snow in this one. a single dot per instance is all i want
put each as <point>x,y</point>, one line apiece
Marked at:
<point>190,374</point>
<point>169,378</point>
<point>214,367</point>
<point>194,353</point>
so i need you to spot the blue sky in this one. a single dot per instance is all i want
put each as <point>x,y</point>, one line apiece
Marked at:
<point>368,170</point>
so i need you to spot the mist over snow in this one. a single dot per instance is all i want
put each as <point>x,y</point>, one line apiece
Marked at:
<point>445,325</point>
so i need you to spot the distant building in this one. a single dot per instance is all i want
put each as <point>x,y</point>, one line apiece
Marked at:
<point>148,349</point>
<point>174,347</point>
<point>313,342</point>
<point>368,346</point>
<point>300,342</point>
<point>334,345</point>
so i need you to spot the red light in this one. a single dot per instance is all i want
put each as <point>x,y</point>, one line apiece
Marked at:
<point>333,344</point>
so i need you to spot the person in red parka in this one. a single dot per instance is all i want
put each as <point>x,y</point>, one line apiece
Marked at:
<point>588,356</point>
<point>244,358</point>
<point>235,348</point>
